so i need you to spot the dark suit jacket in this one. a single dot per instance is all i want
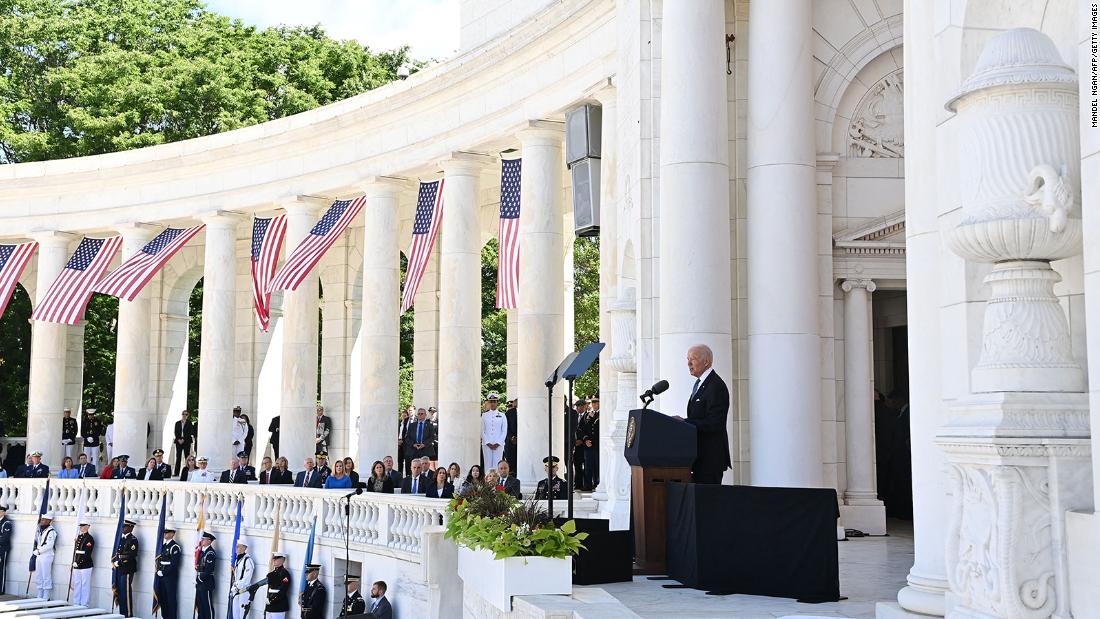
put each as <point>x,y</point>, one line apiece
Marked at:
<point>432,490</point>
<point>426,438</point>
<point>154,476</point>
<point>395,477</point>
<point>406,486</point>
<point>314,481</point>
<point>86,471</point>
<point>707,411</point>
<point>387,485</point>
<point>282,477</point>
<point>511,486</point>
<point>185,431</point>
<point>383,611</point>
<point>124,473</point>
<point>240,478</point>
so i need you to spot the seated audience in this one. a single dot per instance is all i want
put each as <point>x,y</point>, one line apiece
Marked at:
<point>441,487</point>
<point>379,481</point>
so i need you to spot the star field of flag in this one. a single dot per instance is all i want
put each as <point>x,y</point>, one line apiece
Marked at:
<point>429,213</point>
<point>84,254</point>
<point>425,204</point>
<point>331,217</point>
<point>162,240</point>
<point>267,241</point>
<point>259,229</point>
<point>5,253</point>
<point>508,234</point>
<point>509,188</point>
<point>313,247</point>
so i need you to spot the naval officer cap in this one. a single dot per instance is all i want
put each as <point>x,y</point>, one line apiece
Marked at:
<point>351,578</point>
<point>158,452</point>
<point>549,459</point>
<point>202,459</point>
<point>84,522</point>
<point>3,508</point>
<point>493,396</point>
<point>313,567</point>
<point>169,530</point>
<point>124,458</point>
<point>129,523</point>
<point>36,453</point>
<point>208,535</point>
<point>48,515</point>
<point>278,554</point>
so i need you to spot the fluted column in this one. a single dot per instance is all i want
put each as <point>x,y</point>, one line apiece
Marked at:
<point>541,306</point>
<point>216,367</point>
<point>46,396</point>
<point>380,346</point>
<point>132,359</point>
<point>695,305</point>
<point>784,345</point>
<point>609,277</point>
<point>460,312</point>
<point>299,372</point>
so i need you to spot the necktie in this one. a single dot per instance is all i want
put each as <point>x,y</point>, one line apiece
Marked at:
<point>695,388</point>
<point>419,433</point>
<point>415,479</point>
<point>308,475</point>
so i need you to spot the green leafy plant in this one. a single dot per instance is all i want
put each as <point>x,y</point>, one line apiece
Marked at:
<point>484,517</point>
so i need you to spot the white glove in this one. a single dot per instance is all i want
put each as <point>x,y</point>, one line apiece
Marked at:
<point>74,564</point>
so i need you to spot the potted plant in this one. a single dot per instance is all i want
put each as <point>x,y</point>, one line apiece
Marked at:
<point>508,548</point>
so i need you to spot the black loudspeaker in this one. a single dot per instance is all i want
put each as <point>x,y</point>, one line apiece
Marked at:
<point>586,197</point>
<point>582,133</point>
<point>608,555</point>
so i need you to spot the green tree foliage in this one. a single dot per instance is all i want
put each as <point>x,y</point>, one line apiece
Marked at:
<point>494,326</point>
<point>15,363</point>
<point>100,346</point>
<point>83,77</point>
<point>586,307</point>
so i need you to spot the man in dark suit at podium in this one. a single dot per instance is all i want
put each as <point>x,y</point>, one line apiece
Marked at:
<point>706,410</point>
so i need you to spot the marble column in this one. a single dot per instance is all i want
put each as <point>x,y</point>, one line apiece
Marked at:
<point>460,312</point>
<point>219,340</point>
<point>299,371</point>
<point>46,394</point>
<point>695,305</point>
<point>784,346</point>
<point>132,360</point>
<point>380,347</point>
<point>512,372</point>
<point>541,306</point>
<point>862,510</point>
<point>426,336</point>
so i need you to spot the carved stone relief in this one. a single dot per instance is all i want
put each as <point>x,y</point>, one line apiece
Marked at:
<point>877,128</point>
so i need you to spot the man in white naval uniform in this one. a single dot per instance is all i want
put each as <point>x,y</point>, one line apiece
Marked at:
<point>244,568</point>
<point>494,431</point>
<point>202,474</point>
<point>109,440</point>
<point>44,541</point>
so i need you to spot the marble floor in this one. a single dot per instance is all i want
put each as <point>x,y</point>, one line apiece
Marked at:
<point>872,569</point>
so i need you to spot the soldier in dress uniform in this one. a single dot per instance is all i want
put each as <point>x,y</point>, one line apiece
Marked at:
<point>45,540</point>
<point>580,409</point>
<point>125,562</point>
<point>91,436</point>
<point>589,433</point>
<point>313,599</point>
<point>323,430</point>
<point>558,483</point>
<point>168,567</point>
<point>124,470</point>
<point>82,564</point>
<point>36,469</point>
<point>249,470</point>
<point>204,577</point>
<point>494,432</point>
<point>354,604</point>
<point>323,469</point>
<point>510,442</point>
<point>278,588</point>
<point>68,432</point>
<point>5,545</point>
<point>244,568</point>
<point>162,466</point>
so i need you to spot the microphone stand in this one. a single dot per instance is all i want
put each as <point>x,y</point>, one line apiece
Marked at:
<point>347,530</point>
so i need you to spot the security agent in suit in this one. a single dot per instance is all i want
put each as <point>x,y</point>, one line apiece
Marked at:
<point>125,562</point>
<point>5,545</point>
<point>354,604</point>
<point>82,564</point>
<point>124,470</point>
<point>273,428</point>
<point>277,582</point>
<point>204,578</point>
<point>168,567</point>
<point>379,605</point>
<point>183,437</point>
<point>313,600</point>
<point>419,436</point>
<point>589,433</point>
<point>706,410</point>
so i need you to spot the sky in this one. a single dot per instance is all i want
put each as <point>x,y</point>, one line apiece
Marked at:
<point>429,27</point>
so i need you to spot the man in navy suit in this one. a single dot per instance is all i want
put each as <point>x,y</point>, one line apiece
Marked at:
<point>85,469</point>
<point>414,483</point>
<point>309,478</point>
<point>392,473</point>
<point>706,410</point>
<point>419,436</point>
<point>379,607</point>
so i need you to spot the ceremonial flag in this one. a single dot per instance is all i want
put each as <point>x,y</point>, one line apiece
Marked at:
<point>508,235</point>
<point>276,537</point>
<point>160,549</point>
<point>267,240</point>
<point>429,212</point>
<point>41,510</point>
<point>201,529</point>
<point>309,554</point>
<point>67,297</point>
<point>13,259</point>
<point>233,559</point>
<point>130,277</point>
<point>312,248</point>
<point>114,549</point>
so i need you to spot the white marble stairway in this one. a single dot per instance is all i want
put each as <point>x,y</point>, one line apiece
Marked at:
<point>39,608</point>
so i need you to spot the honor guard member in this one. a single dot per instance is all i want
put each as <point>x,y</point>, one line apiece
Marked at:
<point>204,577</point>
<point>162,466</point>
<point>91,436</point>
<point>589,433</point>
<point>124,470</point>
<point>249,470</point>
<point>82,564</point>
<point>323,469</point>
<point>244,568</point>
<point>168,567</point>
<point>354,604</point>
<point>494,432</point>
<point>44,542</point>
<point>36,469</point>
<point>557,483</point>
<point>278,588</point>
<point>322,430</point>
<point>313,599</point>
<point>125,562</point>
<point>68,432</point>
<point>5,545</point>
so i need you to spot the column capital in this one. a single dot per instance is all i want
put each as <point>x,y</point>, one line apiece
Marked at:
<point>384,186</point>
<point>222,219</point>
<point>542,133</point>
<point>53,238</point>
<point>136,230</point>
<point>603,91</point>
<point>462,163</point>
<point>305,205</point>
<point>851,284</point>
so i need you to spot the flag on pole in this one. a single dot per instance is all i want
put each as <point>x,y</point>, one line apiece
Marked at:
<point>309,554</point>
<point>114,548</point>
<point>130,277</point>
<point>67,297</point>
<point>312,248</point>
<point>276,537</point>
<point>13,259</point>
<point>267,241</point>
<point>429,213</point>
<point>200,529</point>
<point>41,510</point>
<point>232,559</point>
<point>160,549</point>
<point>508,235</point>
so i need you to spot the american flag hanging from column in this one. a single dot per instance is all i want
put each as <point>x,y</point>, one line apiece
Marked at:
<point>67,297</point>
<point>130,277</point>
<point>429,212</point>
<point>267,241</point>
<point>312,248</point>
<point>13,259</point>
<point>508,235</point>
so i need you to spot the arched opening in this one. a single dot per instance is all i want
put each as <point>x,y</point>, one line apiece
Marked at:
<point>100,349</point>
<point>494,325</point>
<point>406,331</point>
<point>586,307</point>
<point>15,363</point>
<point>194,349</point>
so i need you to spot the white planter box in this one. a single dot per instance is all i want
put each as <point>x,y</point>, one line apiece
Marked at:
<point>498,580</point>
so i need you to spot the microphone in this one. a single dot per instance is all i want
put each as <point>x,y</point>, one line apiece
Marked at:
<point>659,387</point>
<point>358,491</point>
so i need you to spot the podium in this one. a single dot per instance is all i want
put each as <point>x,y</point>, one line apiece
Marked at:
<point>660,449</point>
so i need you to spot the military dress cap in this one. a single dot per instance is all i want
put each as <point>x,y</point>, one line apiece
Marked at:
<point>493,396</point>
<point>313,567</point>
<point>3,508</point>
<point>36,453</point>
<point>124,457</point>
<point>91,411</point>
<point>169,530</point>
<point>236,409</point>
<point>241,454</point>
<point>158,452</point>
<point>352,578</point>
<point>278,554</point>
<point>84,522</point>
<point>48,515</point>
<point>243,541</point>
<point>130,523</point>
<point>432,409</point>
<point>66,409</point>
<point>208,535</point>
<point>322,454</point>
<point>202,459</point>
<point>549,459</point>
